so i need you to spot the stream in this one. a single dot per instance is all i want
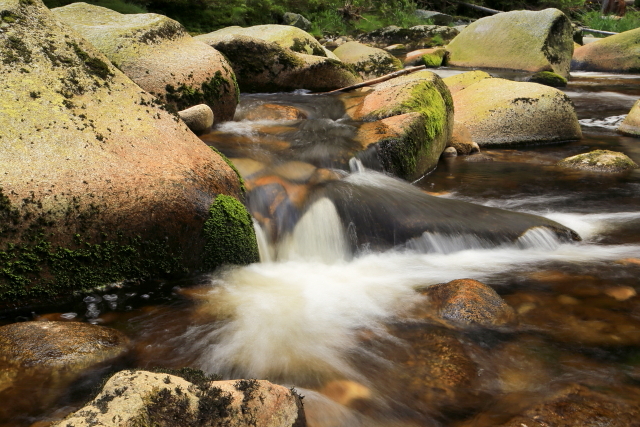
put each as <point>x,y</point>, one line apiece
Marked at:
<point>337,307</point>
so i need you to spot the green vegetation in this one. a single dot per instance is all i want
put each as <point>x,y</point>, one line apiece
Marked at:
<point>593,19</point>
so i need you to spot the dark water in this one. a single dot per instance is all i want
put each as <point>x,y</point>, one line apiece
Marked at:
<point>347,324</point>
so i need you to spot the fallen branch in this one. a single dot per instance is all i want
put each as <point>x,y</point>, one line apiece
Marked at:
<point>606,33</point>
<point>378,80</point>
<point>480,8</point>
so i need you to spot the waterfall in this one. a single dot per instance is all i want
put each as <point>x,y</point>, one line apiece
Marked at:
<point>264,249</point>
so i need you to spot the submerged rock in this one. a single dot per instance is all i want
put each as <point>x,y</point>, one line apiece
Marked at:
<point>369,62</point>
<point>132,398</point>
<point>619,53</point>
<point>159,55</point>
<point>631,124</point>
<point>469,302</point>
<point>198,118</point>
<point>599,161</point>
<point>419,113</point>
<point>578,406</point>
<point>273,112</point>
<point>53,355</point>
<point>385,212</point>
<point>517,40</point>
<point>264,66</point>
<point>500,112</point>
<point>417,37</point>
<point>99,183</point>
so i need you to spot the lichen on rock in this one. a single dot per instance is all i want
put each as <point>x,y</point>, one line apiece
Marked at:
<point>369,62</point>
<point>599,161</point>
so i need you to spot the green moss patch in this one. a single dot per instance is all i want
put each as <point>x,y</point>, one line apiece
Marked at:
<point>229,233</point>
<point>600,161</point>
<point>210,92</point>
<point>549,79</point>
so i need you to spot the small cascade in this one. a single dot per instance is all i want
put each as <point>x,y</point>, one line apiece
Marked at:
<point>446,244</point>
<point>264,249</point>
<point>319,235</point>
<point>355,165</point>
<point>539,238</point>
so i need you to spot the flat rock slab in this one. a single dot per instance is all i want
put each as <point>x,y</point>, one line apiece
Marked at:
<point>517,40</point>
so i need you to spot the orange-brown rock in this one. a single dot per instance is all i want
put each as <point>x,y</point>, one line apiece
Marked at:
<point>618,53</point>
<point>461,140</point>
<point>273,112</point>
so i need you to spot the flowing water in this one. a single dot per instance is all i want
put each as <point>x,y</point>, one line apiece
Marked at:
<point>337,307</point>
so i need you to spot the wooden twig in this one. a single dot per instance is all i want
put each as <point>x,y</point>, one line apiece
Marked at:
<point>378,80</point>
<point>606,33</point>
<point>480,8</point>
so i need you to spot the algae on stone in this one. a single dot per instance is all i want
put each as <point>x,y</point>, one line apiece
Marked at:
<point>517,40</point>
<point>159,55</point>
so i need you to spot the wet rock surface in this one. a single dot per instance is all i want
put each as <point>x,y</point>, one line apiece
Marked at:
<point>599,161</point>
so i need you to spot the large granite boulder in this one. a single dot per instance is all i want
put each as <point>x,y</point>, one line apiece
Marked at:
<point>141,398</point>
<point>285,36</point>
<point>100,184</point>
<point>53,355</point>
<point>159,55</point>
<point>417,37</point>
<point>369,62</point>
<point>462,81</point>
<point>265,66</point>
<point>631,124</point>
<point>501,112</point>
<point>296,20</point>
<point>619,54</point>
<point>518,40</point>
<point>415,114</point>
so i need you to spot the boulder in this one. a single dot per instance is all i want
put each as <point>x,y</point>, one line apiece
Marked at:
<point>599,161</point>
<point>436,18</point>
<point>618,54</point>
<point>422,126</point>
<point>285,36</point>
<point>296,20</point>
<point>159,55</point>
<point>518,40</point>
<point>430,57</point>
<point>461,140</point>
<point>53,355</point>
<point>631,124</point>
<point>548,78</point>
<point>500,112</point>
<point>449,152</point>
<point>132,398</point>
<point>263,66</point>
<point>469,302</point>
<point>273,112</point>
<point>198,118</point>
<point>100,184</point>
<point>462,81</point>
<point>417,37</point>
<point>578,406</point>
<point>369,62</point>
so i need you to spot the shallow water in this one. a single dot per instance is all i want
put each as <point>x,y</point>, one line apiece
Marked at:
<point>347,324</point>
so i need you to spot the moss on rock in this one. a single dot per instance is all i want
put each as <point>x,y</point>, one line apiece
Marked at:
<point>369,62</point>
<point>599,161</point>
<point>548,78</point>
<point>229,233</point>
<point>631,124</point>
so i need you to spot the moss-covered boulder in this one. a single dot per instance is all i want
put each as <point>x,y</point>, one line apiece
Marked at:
<point>619,53</point>
<point>518,40</point>
<point>159,55</point>
<point>599,161</point>
<point>99,184</point>
<point>416,140</point>
<point>53,355</point>
<point>431,58</point>
<point>264,66</point>
<point>369,62</point>
<point>418,37</point>
<point>285,36</point>
<point>501,112</point>
<point>548,78</point>
<point>142,398</point>
<point>464,80</point>
<point>631,124</point>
